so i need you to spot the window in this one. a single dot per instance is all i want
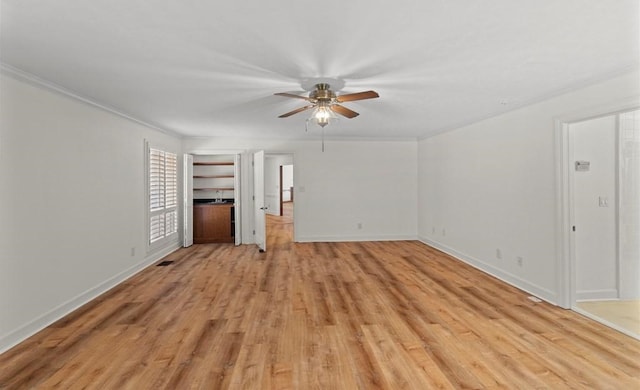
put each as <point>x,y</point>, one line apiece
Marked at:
<point>163,195</point>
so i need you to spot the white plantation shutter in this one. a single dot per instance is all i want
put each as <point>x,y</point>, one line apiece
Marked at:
<point>163,194</point>
<point>156,230</point>
<point>156,179</point>
<point>171,225</point>
<point>171,180</point>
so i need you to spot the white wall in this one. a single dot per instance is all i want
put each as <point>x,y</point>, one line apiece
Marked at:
<point>72,206</point>
<point>367,182</point>
<point>594,208</point>
<point>492,185</point>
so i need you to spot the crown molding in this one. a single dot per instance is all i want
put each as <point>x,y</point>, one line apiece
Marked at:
<point>539,99</point>
<point>34,80</point>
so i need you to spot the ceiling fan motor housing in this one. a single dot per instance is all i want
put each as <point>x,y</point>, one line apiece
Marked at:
<point>322,93</point>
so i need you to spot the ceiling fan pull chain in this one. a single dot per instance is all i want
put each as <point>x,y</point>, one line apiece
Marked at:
<point>323,140</point>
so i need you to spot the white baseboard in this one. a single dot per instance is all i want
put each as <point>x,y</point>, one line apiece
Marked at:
<point>506,277</point>
<point>597,295</point>
<point>355,238</point>
<point>34,326</point>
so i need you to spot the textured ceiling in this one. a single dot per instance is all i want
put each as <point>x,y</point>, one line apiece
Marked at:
<point>205,68</point>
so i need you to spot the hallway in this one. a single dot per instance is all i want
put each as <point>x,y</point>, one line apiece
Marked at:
<point>280,229</point>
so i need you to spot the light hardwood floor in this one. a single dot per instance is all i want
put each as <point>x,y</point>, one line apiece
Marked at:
<point>357,315</point>
<point>624,313</point>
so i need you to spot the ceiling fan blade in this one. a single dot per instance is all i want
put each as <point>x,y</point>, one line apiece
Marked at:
<point>357,96</point>
<point>294,96</point>
<point>296,111</point>
<point>344,111</point>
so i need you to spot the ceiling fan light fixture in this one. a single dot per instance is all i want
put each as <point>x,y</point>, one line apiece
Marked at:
<point>322,114</point>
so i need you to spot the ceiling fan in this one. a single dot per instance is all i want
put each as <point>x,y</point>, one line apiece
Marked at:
<point>326,102</point>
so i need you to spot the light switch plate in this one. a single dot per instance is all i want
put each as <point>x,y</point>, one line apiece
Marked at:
<point>603,201</point>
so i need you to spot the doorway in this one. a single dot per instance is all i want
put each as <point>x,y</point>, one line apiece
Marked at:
<point>602,168</point>
<point>211,198</point>
<point>279,197</point>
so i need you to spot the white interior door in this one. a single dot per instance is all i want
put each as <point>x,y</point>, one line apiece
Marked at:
<point>187,197</point>
<point>593,145</point>
<point>629,206</point>
<point>258,201</point>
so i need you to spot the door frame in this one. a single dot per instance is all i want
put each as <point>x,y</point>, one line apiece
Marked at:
<point>259,207</point>
<point>565,252</point>
<point>281,189</point>
<point>187,200</point>
<point>238,176</point>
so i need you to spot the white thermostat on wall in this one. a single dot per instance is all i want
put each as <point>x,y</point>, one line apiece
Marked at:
<point>582,166</point>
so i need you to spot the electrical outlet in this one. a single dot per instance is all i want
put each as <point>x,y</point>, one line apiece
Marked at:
<point>359,225</point>
<point>444,232</point>
<point>498,253</point>
<point>433,230</point>
<point>520,261</point>
<point>133,251</point>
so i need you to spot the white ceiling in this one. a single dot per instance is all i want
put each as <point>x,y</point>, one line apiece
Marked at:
<point>205,68</point>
